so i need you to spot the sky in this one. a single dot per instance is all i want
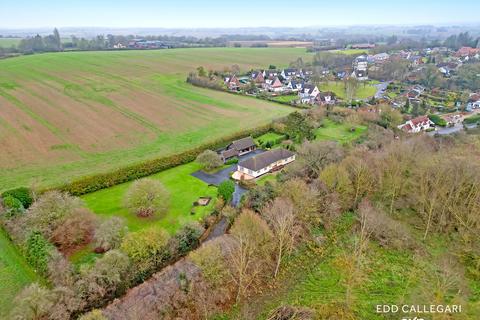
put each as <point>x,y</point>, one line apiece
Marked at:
<point>16,14</point>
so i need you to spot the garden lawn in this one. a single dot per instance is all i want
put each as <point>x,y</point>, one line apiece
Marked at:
<point>365,89</point>
<point>286,99</point>
<point>15,273</point>
<point>331,131</point>
<point>184,191</point>
<point>261,181</point>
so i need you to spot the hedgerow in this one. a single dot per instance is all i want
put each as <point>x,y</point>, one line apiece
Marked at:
<point>105,180</point>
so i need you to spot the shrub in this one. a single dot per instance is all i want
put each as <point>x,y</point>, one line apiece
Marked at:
<point>226,190</point>
<point>33,302</point>
<point>109,234</point>
<point>230,213</point>
<point>12,206</point>
<point>24,195</point>
<point>77,229</point>
<point>147,197</point>
<point>210,260</point>
<point>231,161</point>
<point>188,237</point>
<point>49,211</point>
<point>146,244</point>
<point>105,279</point>
<point>209,160</point>
<point>437,120</point>
<point>93,315</point>
<point>38,252</point>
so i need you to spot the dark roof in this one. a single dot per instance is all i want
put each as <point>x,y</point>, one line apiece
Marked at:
<point>229,153</point>
<point>308,88</point>
<point>290,71</point>
<point>265,159</point>
<point>243,143</point>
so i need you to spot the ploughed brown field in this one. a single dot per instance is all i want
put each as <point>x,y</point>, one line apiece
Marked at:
<point>65,115</point>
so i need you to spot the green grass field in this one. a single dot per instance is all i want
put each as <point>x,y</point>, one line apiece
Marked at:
<point>351,51</point>
<point>365,89</point>
<point>184,190</point>
<point>287,98</point>
<point>331,131</point>
<point>66,115</point>
<point>9,42</point>
<point>15,273</point>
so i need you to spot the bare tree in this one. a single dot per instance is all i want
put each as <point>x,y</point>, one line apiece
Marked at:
<point>281,217</point>
<point>248,255</point>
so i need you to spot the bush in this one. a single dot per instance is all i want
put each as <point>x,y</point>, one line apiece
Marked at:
<point>38,252</point>
<point>146,244</point>
<point>210,260</point>
<point>188,237</point>
<point>226,190</point>
<point>231,161</point>
<point>105,279</point>
<point>93,315</point>
<point>437,120</point>
<point>50,210</point>
<point>147,168</point>
<point>209,160</point>
<point>109,234</point>
<point>33,302</point>
<point>12,206</point>
<point>77,229</point>
<point>24,195</point>
<point>147,197</point>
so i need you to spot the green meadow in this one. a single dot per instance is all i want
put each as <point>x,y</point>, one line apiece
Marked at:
<point>365,89</point>
<point>15,273</point>
<point>341,132</point>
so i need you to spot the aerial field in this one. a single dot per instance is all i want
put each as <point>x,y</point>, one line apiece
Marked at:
<point>65,115</point>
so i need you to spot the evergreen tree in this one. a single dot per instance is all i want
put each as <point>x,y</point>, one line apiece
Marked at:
<point>58,41</point>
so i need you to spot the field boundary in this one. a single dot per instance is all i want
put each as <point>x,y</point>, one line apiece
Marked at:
<point>97,182</point>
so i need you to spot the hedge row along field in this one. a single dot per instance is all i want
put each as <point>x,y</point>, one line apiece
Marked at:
<point>105,180</point>
<point>74,114</point>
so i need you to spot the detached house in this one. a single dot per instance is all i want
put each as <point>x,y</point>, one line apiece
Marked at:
<point>290,73</point>
<point>294,85</point>
<point>360,67</point>
<point>270,73</point>
<point>273,84</point>
<point>232,83</point>
<point>238,148</point>
<point>258,77</point>
<point>308,93</point>
<point>325,98</point>
<point>268,161</point>
<point>417,125</point>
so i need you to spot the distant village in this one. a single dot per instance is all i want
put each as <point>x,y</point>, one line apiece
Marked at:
<point>300,86</point>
